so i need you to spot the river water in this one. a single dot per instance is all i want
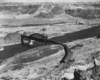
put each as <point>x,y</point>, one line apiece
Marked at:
<point>12,50</point>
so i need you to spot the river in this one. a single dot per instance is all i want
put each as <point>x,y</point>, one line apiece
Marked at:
<point>11,50</point>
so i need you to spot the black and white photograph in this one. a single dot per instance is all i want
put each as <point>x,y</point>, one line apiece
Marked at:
<point>49,39</point>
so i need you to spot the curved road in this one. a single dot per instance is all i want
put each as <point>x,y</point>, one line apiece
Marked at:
<point>10,51</point>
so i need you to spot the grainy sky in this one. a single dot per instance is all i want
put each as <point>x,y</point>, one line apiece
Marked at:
<point>49,1</point>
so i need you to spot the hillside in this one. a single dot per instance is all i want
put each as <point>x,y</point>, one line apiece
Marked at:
<point>73,24</point>
<point>24,67</point>
<point>50,10</point>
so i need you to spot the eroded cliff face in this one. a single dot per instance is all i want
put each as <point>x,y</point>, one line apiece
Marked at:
<point>23,66</point>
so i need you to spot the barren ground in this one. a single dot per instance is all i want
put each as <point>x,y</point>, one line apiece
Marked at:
<point>42,63</point>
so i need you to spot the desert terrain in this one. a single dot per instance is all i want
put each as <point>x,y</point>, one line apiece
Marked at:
<point>73,24</point>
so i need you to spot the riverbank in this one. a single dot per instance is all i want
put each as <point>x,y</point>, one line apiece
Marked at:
<point>12,35</point>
